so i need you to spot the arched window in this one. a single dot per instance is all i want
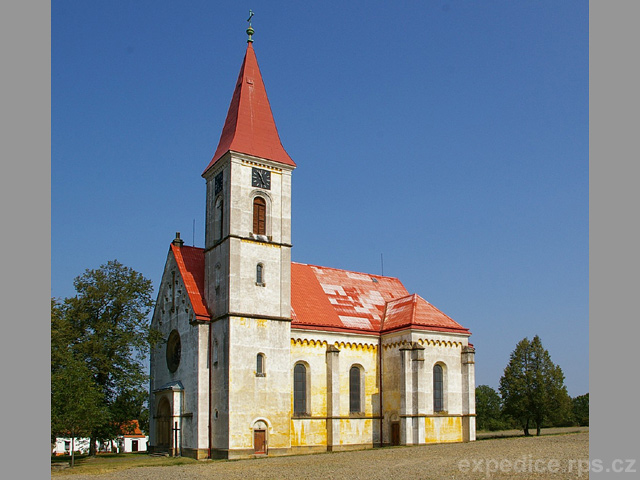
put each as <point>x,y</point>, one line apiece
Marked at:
<point>260,365</point>
<point>259,216</point>
<point>217,220</point>
<point>260,274</point>
<point>300,389</point>
<point>354,390</point>
<point>438,389</point>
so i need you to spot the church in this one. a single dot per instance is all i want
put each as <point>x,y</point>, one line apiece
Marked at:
<point>263,356</point>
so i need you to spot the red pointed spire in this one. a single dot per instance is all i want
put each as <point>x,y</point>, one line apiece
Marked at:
<point>250,127</point>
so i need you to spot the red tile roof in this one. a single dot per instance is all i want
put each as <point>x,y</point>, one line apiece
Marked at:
<point>324,298</point>
<point>414,311</point>
<point>132,429</point>
<point>190,262</point>
<point>250,127</point>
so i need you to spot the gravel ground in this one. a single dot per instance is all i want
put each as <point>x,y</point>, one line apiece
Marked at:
<point>549,457</point>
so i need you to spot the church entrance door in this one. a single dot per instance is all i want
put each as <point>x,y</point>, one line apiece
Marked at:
<point>260,441</point>
<point>163,426</point>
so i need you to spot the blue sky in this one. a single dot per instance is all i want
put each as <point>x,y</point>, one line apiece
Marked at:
<point>449,137</point>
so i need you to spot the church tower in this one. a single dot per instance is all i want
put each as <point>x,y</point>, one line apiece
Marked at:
<point>248,274</point>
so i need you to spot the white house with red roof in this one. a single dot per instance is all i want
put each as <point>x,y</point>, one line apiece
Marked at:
<point>265,356</point>
<point>130,440</point>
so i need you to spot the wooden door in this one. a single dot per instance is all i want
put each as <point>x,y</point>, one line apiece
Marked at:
<point>163,425</point>
<point>260,441</point>
<point>395,433</point>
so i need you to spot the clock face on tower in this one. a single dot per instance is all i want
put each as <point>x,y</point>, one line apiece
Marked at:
<point>261,178</point>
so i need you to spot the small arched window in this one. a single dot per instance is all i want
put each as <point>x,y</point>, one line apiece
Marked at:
<point>438,389</point>
<point>260,274</point>
<point>260,365</point>
<point>259,216</point>
<point>300,389</point>
<point>354,390</point>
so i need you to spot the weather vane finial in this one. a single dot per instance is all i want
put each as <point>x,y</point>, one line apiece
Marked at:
<point>250,29</point>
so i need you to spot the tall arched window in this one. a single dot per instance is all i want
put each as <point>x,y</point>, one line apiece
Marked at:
<point>438,389</point>
<point>218,219</point>
<point>354,390</point>
<point>259,216</point>
<point>299,389</point>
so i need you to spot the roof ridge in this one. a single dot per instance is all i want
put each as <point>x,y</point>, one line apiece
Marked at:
<point>433,306</point>
<point>401,298</point>
<point>346,270</point>
<point>415,308</point>
<point>192,247</point>
<point>384,317</point>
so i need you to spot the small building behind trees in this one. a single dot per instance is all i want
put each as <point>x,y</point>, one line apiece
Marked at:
<point>130,440</point>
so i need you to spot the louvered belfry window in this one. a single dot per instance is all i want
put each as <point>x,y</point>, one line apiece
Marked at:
<point>259,216</point>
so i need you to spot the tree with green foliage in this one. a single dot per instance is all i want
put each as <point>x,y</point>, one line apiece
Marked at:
<point>76,402</point>
<point>581,409</point>
<point>562,415</point>
<point>489,410</point>
<point>532,386</point>
<point>111,335</point>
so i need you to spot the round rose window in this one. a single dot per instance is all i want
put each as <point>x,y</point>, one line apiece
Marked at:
<point>173,351</point>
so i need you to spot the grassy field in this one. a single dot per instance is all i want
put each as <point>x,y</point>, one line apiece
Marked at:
<point>112,462</point>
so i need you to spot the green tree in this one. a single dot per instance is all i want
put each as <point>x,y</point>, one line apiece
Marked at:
<point>562,415</point>
<point>581,409</point>
<point>489,409</point>
<point>532,386</point>
<point>76,402</point>
<point>111,334</point>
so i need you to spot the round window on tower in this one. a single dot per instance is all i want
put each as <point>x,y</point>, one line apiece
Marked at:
<point>173,351</point>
